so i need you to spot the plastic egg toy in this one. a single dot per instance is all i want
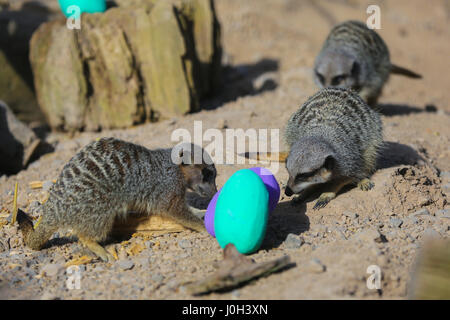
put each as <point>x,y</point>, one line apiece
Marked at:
<point>271,185</point>
<point>89,6</point>
<point>209,215</point>
<point>242,211</point>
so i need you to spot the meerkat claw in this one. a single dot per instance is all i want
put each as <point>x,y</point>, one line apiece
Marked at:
<point>324,199</point>
<point>366,184</point>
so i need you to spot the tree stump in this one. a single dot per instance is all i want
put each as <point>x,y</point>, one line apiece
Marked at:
<point>140,61</point>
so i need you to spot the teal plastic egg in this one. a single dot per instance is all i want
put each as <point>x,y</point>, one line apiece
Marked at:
<point>90,6</point>
<point>242,212</point>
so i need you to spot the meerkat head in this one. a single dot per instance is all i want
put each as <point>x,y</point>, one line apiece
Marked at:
<point>197,168</point>
<point>337,68</point>
<point>310,162</point>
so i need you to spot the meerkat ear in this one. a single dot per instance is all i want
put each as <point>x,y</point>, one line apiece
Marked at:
<point>179,154</point>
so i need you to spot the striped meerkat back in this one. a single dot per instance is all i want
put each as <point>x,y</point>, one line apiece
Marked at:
<point>338,115</point>
<point>357,35</point>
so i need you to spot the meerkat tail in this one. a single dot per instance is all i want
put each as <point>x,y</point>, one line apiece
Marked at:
<point>404,72</point>
<point>266,156</point>
<point>34,238</point>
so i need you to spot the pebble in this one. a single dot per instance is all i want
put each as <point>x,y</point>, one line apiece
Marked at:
<point>315,266</point>
<point>422,212</point>
<point>99,269</point>
<point>143,262</point>
<point>351,215</point>
<point>125,264</point>
<point>184,244</point>
<point>446,187</point>
<point>122,255</point>
<point>370,235</point>
<point>235,294</point>
<point>157,277</point>
<point>222,124</point>
<point>411,220</point>
<point>396,222</point>
<point>445,175</point>
<point>266,81</point>
<point>51,269</point>
<point>293,241</point>
<point>148,244</point>
<point>444,213</point>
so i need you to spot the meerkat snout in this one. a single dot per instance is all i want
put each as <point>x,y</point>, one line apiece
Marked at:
<point>200,178</point>
<point>311,163</point>
<point>198,170</point>
<point>336,69</point>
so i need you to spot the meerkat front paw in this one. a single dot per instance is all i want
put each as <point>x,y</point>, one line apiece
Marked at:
<point>366,184</point>
<point>97,249</point>
<point>324,199</point>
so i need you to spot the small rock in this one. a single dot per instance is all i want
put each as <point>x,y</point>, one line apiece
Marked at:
<point>446,188</point>
<point>444,213</point>
<point>51,269</point>
<point>125,264</point>
<point>143,262</point>
<point>49,296</point>
<point>222,124</point>
<point>157,277</point>
<point>371,235</point>
<point>122,254</point>
<point>351,215</point>
<point>99,269</point>
<point>293,241</point>
<point>184,244</point>
<point>396,222</point>
<point>266,81</point>
<point>235,294</point>
<point>315,266</point>
<point>422,212</point>
<point>445,175</point>
<point>148,244</point>
<point>423,201</point>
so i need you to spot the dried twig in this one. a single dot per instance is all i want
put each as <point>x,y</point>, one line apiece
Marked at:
<point>235,270</point>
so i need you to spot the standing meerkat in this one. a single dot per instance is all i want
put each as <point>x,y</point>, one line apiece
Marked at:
<point>356,57</point>
<point>109,178</point>
<point>334,139</point>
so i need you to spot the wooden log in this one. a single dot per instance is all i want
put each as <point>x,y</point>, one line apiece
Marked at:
<point>146,225</point>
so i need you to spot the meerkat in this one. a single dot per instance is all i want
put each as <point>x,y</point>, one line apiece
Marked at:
<point>354,56</point>
<point>110,178</point>
<point>334,139</point>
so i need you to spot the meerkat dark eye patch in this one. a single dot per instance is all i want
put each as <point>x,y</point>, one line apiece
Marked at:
<point>320,77</point>
<point>329,163</point>
<point>304,176</point>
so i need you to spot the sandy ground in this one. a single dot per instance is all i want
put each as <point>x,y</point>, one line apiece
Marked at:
<point>270,47</point>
